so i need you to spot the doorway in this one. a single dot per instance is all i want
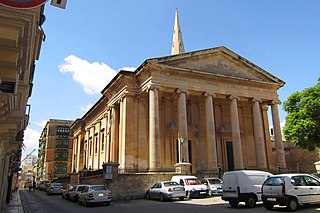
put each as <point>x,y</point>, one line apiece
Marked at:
<point>230,160</point>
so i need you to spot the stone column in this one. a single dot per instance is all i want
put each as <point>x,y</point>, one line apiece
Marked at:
<point>236,137</point>
<point>183,125</point>
<point>154,136</point>
<point>113,135</point>
<point>211,133</point>
<point>258,136</point>
<point>281,161</point>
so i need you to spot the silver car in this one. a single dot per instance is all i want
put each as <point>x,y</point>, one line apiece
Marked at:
<point>166,190</point>
<point>214,185</point>
<point>95,194</point>
<point>54,188</point>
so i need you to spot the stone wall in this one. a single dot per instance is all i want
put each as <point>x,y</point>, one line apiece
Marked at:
<point>134,186</point>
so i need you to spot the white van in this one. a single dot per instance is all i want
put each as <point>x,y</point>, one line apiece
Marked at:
<point>243,186</point>
<point>192,186</point>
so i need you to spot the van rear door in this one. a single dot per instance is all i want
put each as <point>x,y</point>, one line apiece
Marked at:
<point>229,185</point>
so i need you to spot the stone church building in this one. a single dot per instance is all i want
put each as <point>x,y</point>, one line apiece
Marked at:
<point>197,112</point>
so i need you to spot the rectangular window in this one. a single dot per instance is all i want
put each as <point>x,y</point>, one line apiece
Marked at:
<point>102,142</point>
<point>90,147</point>
<point>62,143</point>
<point>60,169</point>
<point>61,156</point>
<point>63,130</point>
<point>96,145</point>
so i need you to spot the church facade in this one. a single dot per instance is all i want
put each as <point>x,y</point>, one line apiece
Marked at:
<point>206,110</point>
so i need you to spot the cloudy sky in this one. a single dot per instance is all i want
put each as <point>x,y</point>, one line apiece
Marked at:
<point>90,41</point>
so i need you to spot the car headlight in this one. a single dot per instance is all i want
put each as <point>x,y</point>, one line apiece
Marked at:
<point>213,188</point>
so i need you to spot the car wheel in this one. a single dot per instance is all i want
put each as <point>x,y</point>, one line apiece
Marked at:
<point>268,206</point>
<point>161,198</point>
<point>108,203</point>
<point>250,202</point>
<point>292,204</point>
<point>181,198</point>
<point>233,203</point>
<point>187,195</point>
<point>148,196</point>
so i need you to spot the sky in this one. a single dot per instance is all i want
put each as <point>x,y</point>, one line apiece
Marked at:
<point>87,43</point>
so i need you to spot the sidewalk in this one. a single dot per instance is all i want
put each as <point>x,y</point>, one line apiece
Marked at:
<point>15,205</point>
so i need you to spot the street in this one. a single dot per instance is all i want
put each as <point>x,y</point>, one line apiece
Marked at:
<point>40,202</point>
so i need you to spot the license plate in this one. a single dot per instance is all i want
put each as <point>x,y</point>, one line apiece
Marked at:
<point>271,199</point>
<point>101,194</point>
<point>203,192</point>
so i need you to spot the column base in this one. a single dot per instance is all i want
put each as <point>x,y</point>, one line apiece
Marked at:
<point>183,168</point>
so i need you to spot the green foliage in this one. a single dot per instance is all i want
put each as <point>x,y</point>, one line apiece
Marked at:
<point>303,119</point>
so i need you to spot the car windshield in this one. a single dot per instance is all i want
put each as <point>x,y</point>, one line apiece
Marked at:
<point>56,184</point>
<point>167,184</point>
<point>97,188</point>
<point>215,181</point>
<point>192,181</point>
<point>80,188</point>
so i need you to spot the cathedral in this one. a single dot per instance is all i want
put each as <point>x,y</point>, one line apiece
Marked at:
<point>196,112</point>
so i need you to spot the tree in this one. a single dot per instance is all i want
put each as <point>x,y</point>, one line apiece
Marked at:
<point>303,120</point>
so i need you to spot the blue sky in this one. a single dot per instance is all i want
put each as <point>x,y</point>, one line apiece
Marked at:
<point>88,42</point>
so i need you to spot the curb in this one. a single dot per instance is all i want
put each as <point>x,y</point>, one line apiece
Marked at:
<point>24,202</point>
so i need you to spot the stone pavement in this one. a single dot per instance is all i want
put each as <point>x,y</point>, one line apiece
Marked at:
<point>15,205</point>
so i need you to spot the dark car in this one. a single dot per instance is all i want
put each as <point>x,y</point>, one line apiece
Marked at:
<point>74,193</point>
<point>66,191</point>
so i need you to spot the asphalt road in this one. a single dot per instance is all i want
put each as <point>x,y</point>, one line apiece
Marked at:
<point>40,202</point>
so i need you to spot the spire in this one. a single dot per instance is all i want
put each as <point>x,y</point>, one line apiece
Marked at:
<point>177,42</point>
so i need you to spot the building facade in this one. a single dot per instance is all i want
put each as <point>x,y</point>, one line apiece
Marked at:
<point>20,41</point>
<point>55,150</point>
<point>199,112</point>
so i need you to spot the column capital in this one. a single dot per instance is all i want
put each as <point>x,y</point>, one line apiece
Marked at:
<point>206,94</point>
<point>264,107</point>
<point>153,86</point>
<point>181,90</point>
<point>253,100</point>
<point>232,97</point>
<point>275,101</point>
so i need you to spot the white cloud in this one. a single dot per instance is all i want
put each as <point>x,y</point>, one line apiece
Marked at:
<point>86,108</point>
<point>41,123</point>
<point>92,76</point>
<point>132,69</point>
<point>31,141</point>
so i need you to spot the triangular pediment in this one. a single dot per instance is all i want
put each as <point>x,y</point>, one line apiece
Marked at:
<point>218,61</point>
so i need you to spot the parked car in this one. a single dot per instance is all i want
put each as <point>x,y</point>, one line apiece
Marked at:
<point>54,188</point>
<point>214,185</point>
<point>66,191</point>
<point>95,194</point>
<point>166,190</point>
<point>75,191</point>
<point>290,190</point>
<point>243,186</point>
<point>192,186</point>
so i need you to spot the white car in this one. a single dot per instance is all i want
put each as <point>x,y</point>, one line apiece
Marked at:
<point>192,186</point>
<point>290,190</point>
<point>214,185</point>
<point>95,194</point>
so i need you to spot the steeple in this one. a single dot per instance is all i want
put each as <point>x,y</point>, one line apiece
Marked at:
<point>177,42</point>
